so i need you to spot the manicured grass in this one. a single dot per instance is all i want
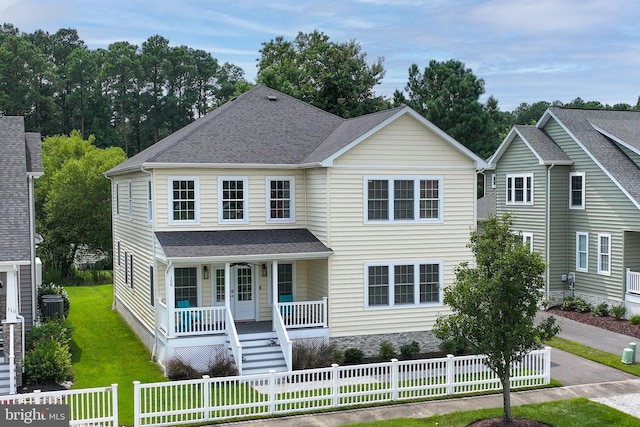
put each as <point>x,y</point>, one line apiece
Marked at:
<point>580,412</point>
<point>104,349</point>
<point>599,356</point>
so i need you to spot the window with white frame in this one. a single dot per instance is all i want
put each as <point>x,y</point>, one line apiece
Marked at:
<point>184,202</point>
<point>493,180</point>
<point>403,284</point>
<point>582,251</point>
<point>285,282</point>
<point>149,202</point>
<point>527,240</point>
<point>130,200</point>
<point>519,189</point>
<point>280,199</point>
<point>576,190</point>
<point>232,199</point>
<point>152,298</point>
<point>117,196</point>
<point>403,199</point>
<point>604,254</point>
<point>186,285</point>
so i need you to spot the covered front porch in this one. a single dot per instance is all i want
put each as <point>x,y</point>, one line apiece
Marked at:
<point>274,281</point>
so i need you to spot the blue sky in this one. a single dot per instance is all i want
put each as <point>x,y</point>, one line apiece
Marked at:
<point>526,51</point>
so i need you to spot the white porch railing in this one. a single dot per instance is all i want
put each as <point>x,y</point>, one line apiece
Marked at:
<point>234,341</point>
<point>212,399</point>
<point>193,321</point>
<point>283,337</point>
<point>633,282</point>
<point>304,314</point>
<point>87,407</point>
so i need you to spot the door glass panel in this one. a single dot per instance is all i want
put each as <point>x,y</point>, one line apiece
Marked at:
<point>245,290</point>
<point>219,285</point>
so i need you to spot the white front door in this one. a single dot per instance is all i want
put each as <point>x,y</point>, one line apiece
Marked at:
<point>243,298</point>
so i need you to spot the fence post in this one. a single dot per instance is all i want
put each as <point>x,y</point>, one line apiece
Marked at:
<point>394,379</point>
<point>137,422</point>
<point>335,378</point>
<point>272,391</point>
<point>450,376</point>
<point>547,365</point>
<point>206,397</point>
<point>37,396</point>
<point>114,403</point>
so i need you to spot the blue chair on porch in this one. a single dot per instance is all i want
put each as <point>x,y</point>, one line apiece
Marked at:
<point>184,322</point>
<point>288,310</point>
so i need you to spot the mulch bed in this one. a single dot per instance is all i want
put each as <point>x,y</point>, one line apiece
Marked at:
<point>607,322</point>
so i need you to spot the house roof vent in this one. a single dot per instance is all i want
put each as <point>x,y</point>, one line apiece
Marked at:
<point>272,98</point>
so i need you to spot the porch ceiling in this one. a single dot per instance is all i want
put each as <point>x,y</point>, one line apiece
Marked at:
<point>231,244</point>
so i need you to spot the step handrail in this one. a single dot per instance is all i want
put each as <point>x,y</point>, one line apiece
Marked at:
<point>283,337</point>
<point>234,341</point>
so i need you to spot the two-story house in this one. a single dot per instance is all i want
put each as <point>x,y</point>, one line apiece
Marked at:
<point>572,183</point>
<point>20,164</point>
<point>271,216</point>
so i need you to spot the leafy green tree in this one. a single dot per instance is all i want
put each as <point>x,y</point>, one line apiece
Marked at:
<point>494,304</point>
<point>73,199</point>
<point>448,94</point>
<point>332,76</point>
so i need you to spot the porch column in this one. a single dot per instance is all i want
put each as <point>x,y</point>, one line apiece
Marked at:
<point>227,286</point>
<point>12,295</point>
<point>170,298</point>
<point>274,281</point>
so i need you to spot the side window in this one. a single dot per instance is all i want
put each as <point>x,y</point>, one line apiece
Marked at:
<point>577,190</point>
<point>604,254</point>
<point>184,204</point>
<point>519,189</point>
<point>582,251</point>
<point>280,199</point>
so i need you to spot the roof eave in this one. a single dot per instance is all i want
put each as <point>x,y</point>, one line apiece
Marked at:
<point>253,257</point>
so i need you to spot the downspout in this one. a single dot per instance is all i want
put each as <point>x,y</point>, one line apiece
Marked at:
<point>547,229</point>
<point>32,239</point>
<point>156,326</point>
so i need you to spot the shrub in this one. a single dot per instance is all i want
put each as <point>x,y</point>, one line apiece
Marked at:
<point>601,310</point>
<point>453,346</point>
<point>619,311</point>
<point>48,362</point>
<point>410,351</point>
<point>221,366</point>
<point>387,351</point>
<point>353,355</point>
<point>310,354</point>
<point>338,357</point>
<point>635,319</point>
<point>575,304</point>
<point>58,329</point>
<point>53,289</point>
<point>177,369</point>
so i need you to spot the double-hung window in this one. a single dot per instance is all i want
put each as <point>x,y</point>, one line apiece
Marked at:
<point>403,284</point>
<point>149,202</point>
<point>403,199</point>
<point>130,199</point>
<point>519,189</point>
<point>280,199</point>
<point>582,251</point>
<point>576,190</point>
<point>527,240</point>
<point>604,254</point>
<point>233,200</point>
<point>184,200</point>
<point>117,196</point>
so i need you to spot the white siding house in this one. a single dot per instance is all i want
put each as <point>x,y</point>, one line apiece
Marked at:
<point>269,220</point>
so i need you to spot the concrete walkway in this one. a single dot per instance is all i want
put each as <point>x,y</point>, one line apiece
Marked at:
<point>580,377</point>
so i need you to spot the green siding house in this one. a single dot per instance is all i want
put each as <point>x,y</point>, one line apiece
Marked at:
<point>572,185</point>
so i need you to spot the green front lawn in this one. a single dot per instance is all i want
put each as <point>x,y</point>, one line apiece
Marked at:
<point>595,355</point>
<point>104,349</point>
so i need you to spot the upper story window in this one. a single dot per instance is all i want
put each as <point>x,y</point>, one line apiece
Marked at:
<point>520,189</point>
<point>184,201</point>
<point>527,240</point>
<point>130,200</point>
<point>582,251</point>
<point>576,190</point>
<point>604,254</point>
<point>232,199</point>
<point>401,199</point>
<point>117,195</point>
<point>149,202</point>
<point>403,284</point>
<point>280,199</point>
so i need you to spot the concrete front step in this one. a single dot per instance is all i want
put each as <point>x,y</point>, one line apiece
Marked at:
<point>261,353</point>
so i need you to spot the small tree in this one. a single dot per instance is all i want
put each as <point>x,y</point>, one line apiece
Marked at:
<point>494,304</point>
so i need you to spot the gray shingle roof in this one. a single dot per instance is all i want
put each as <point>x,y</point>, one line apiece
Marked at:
<point>19,154</point>
<point>486,205</point>
<point>234,243</point>
<point>542,144</point>
<point>604,150</point>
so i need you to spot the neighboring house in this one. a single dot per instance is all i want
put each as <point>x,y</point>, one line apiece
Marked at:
<point>20,164</point>
<point>271,214</point>
<point>572,183</point>
<point>487,203</point>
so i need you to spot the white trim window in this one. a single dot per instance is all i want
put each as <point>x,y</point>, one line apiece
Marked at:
<point>149,202</point>
<point>184,200</point>
<point>233,200</point>
<point>577,190</point>
<point>493,180</point>
<point>527,240</point>
<point>280,199</point>
<point>130,199</point>
<point>582,251</point>
<point>604,254</point>
<point>117,196</point>
<point>519,189</point>
<point>404,199</point>
<point>403,284</point>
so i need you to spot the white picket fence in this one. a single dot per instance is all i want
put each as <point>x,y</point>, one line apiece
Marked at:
<point>89,407</point>
<point>214,399</point>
